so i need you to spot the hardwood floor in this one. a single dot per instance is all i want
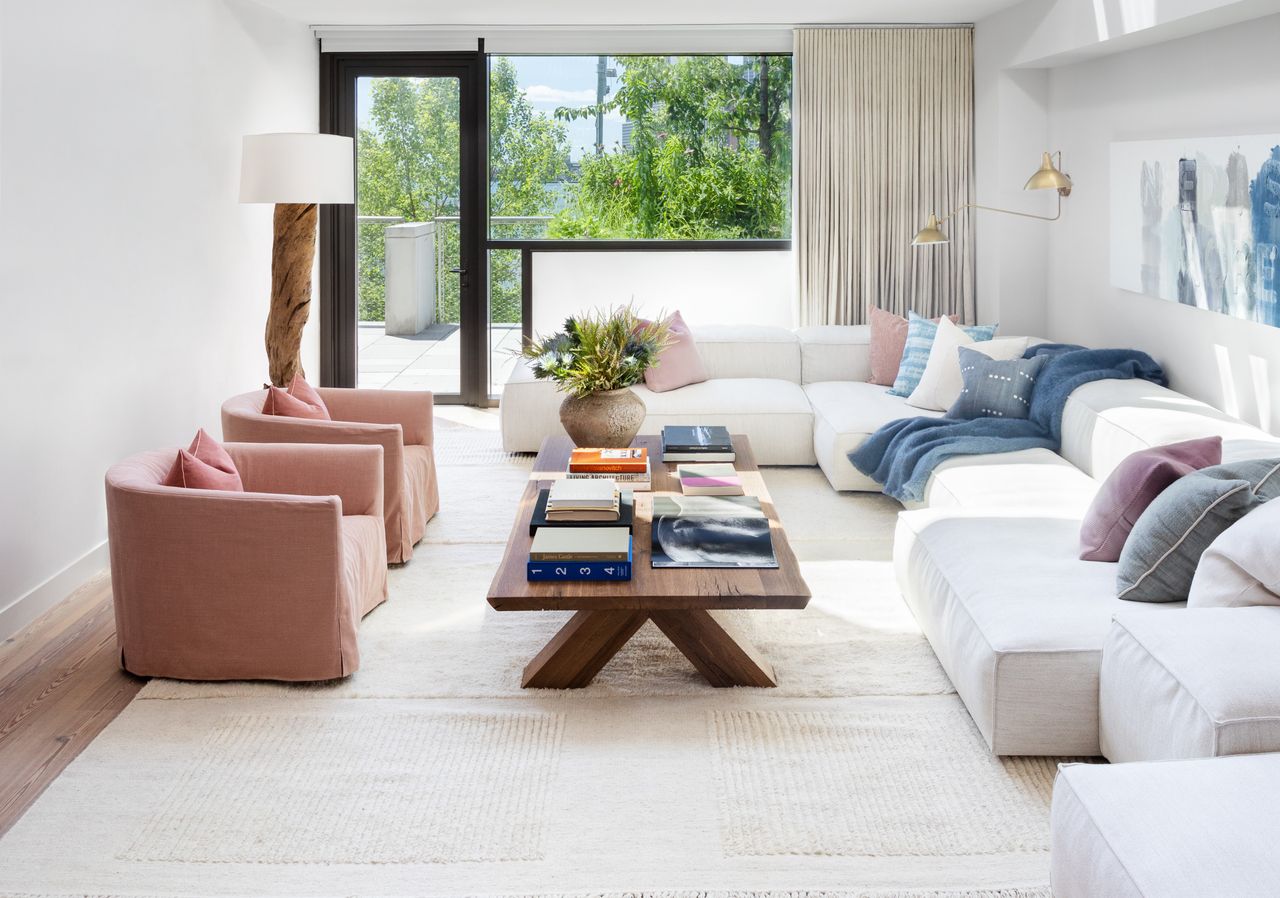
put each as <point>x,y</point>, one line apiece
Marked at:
<point>60,685</point>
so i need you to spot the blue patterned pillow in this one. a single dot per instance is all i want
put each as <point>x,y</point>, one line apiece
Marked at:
<point>920,334</point>
<point>995,388</point>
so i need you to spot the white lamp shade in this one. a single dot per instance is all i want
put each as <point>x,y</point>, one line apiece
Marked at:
<point>297,168</point>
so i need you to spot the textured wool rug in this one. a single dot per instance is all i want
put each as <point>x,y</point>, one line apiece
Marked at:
<point>430,772</point>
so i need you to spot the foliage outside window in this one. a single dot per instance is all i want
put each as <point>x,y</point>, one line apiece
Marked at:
<point>701,150</point>
<point>706,154</point>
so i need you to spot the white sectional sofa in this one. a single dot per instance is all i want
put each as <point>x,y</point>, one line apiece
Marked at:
<point>801,396</point>
<point>1170,829</point>
<point>988,561</point>
<point>991,572</point>
<point>1046,658</point>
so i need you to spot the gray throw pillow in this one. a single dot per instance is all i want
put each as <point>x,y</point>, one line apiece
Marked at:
<point>1159,558</point>
<point>995,388</point>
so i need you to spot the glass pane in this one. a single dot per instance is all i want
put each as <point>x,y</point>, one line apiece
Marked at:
<point>407,208</point>
<point>504,316</point>
<point>640,147</point>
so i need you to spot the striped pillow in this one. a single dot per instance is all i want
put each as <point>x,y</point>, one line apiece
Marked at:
<point>920,334</point>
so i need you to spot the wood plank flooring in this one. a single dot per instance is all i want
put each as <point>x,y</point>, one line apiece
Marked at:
<point>60,685</point>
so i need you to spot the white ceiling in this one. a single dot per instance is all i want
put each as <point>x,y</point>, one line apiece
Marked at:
<point>634,12</point>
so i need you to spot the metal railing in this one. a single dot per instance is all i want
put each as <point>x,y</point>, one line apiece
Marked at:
<point>504,284</point>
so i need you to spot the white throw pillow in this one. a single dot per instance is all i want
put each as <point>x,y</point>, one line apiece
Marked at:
<point>941,383</point>
<point>1241,567</point>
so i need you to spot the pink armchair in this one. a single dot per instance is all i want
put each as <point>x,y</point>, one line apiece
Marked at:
<point>265,584</point>
<point>398,421</point>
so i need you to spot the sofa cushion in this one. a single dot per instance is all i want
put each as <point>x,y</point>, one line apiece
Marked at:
<point>1197,684</point>
<point>1241,567</point>
<point>678,363</point>
<point>1106,421</point>
<point>992,386</point>
<point>1134,485</point>
<point>1038,480</point>
<point>835,352</point>
<point>943,380</point>
<point>204,465</point>
<point>1160,556</point>
<point>749,351</point>
<point>1015,618</point>
<point>300,400</point>
<point>773,414</point>
<point>920,336</point>
<point>1127,831</point>
<point>845,413</point>
<point>888,335</point>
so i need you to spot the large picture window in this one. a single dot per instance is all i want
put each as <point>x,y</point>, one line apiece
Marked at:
<point>640,147</point>
<point>463,193</point>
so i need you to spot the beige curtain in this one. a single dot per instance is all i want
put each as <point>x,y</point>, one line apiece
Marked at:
<point>883,135</point>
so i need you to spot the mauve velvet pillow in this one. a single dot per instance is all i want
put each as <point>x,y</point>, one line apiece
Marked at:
<point>1134,485</point>
<point>204,466</point>
<point>679,363</point>
<point>888,340</point>
<point>299,401</point>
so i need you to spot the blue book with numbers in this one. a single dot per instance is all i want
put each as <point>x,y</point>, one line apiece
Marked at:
<point>581,570</point>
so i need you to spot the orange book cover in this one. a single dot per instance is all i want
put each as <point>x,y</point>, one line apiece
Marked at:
<point>609,461</point>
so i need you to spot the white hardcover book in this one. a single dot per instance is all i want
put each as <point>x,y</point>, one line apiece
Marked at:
<point>587,492</point>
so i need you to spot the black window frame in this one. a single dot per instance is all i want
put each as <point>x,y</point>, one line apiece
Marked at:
<point>338,324</point>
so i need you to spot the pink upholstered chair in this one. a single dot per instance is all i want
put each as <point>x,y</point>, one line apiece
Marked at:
<point>265,584</point>
<point>398,421</point>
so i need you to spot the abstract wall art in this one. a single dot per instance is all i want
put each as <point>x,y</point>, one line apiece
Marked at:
<point>1197,222</point>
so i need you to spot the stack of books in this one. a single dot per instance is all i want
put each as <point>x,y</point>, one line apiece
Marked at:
<point>581,530</point>
<point>696,443</point>
<point>584,553</point>
<point>584,500</point>
<point>717,479</point>
<point>628,467</point>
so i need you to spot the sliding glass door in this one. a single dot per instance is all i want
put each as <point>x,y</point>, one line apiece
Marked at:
<point>404,304</point>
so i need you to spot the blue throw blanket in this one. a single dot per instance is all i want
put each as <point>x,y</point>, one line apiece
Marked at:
<point>903,454</point>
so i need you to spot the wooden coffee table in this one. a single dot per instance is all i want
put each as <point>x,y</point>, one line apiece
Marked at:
<point>685,603</point>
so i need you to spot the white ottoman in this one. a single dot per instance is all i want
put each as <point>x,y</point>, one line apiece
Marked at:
<point>1199,683</point>
<point>1177,829</point>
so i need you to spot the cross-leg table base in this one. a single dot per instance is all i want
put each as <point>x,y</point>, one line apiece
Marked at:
<point>586,643</point>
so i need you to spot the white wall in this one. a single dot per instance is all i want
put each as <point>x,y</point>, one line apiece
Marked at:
<point>732,287</point>
<point>1011,130</point>
<point>133,286</point>
<point>1219,83</point>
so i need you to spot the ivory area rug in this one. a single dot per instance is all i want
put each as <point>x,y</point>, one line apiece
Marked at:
<point>430,772</point>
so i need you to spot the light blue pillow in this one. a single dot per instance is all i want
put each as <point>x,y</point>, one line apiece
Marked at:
<point>920,334</point>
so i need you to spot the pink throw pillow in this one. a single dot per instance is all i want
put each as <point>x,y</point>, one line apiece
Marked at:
<point>204,466</point>
<point>1134,485</point>
<point>679,363</point>
<point>888,340</point>
<point>300,401</point>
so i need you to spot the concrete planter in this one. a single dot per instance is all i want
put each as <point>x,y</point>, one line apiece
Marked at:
<point>608,420</point>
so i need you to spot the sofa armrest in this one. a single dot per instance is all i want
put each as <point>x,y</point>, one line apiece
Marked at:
<point>412,410</point>
<point>353,473</point>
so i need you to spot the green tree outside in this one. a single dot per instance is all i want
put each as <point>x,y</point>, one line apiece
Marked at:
<point>709,158</point>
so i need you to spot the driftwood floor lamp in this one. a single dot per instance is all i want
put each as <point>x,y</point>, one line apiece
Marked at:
<point>296,172</point>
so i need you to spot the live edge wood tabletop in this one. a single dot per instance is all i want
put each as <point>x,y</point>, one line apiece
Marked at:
<point>683,602</point>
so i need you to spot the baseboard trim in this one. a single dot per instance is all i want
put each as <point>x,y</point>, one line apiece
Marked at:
<point>26,608</point>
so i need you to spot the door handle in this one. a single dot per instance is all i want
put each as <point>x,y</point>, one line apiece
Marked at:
<point>457,271</point>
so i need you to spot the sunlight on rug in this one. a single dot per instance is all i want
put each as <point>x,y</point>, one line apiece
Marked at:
<point>430,771</point>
